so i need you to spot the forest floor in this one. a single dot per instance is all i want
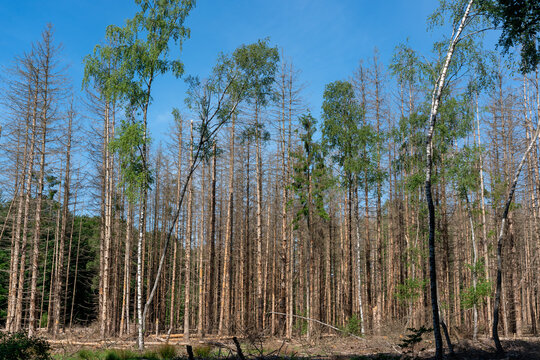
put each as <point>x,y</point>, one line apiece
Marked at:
<point>326,347</point>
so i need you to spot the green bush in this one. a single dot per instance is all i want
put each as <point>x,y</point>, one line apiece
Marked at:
<point>411,340</point>
<point>22,347</point>
<point>354,326</point>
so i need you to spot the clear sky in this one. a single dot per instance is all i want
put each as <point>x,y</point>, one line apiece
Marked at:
<point>325,39</point>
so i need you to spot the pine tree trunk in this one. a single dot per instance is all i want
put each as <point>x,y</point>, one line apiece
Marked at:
<point>188,242</point>
<point>62,236</point>
<point>224,316</point>
<point>212,283</point>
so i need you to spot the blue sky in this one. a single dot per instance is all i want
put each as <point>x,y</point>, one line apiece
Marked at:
<point>325,39</point>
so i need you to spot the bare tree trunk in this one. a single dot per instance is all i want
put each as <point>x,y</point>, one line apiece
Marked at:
<point>179,123</point>
<point>224,316</point>
<point>474,264</point>
<point>483,203</point>
<point>43,282</point>
<point>66,290</point>
<point>54,267</point>
<point>76,273</point>
<point>212,283</point>
<point>201,234</point>
<point>188,241</point>
<point>60,263</point>
<point>259,303</point>
<point>107,225</point>
<point>358,264</point>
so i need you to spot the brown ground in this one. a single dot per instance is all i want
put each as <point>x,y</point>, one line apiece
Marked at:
<point>326,347</point>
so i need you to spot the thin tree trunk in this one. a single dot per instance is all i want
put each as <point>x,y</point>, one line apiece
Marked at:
<point>60,263</point>
<point>212,283</point>
<point>483,203</point>
<point>54,267</point>
<point>75,277</point>
<point>224,316</point>
<point>474,264</point>
<point>188,241</point>
<point>201,234</point>
<point>124,319</point>
<point>259,304</point>
<point>69,261</point>
<point>43,282</point>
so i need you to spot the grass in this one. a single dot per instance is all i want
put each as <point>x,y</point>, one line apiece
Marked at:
<point>166,351</point>
<point>203,352</point>
<point>161,353</point>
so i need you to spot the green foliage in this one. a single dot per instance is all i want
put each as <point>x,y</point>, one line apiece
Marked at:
<point>472,295</point>
<point>22,347</point>
<point>125,68</point>
<point>245,75</point>
<point>115,354</point>
<point>342,129</point>
<point>150,355</point>
<point>410,290</point>
<point>310,175</point>
<point>44,319</point>
<point>85,295</point>
<point>414,338</point>
<point>475,296</point>
<point>202,351</point>
<point>166,351</point>
<point>85,354</point>
<point>463,172</point>
<point>128,143</point>
<point>519,21</point>
<point>405,64</point>
<point>139,51</point>
<point>354,326</point>
<point>479,268</point>
<point>257,65</point>
<point>112,355</point>
<point>301,325</point>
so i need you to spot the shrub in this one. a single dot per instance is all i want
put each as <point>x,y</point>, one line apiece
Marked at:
<point>22,347</point>
<point>354,326</point>
<point>414,338</point>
